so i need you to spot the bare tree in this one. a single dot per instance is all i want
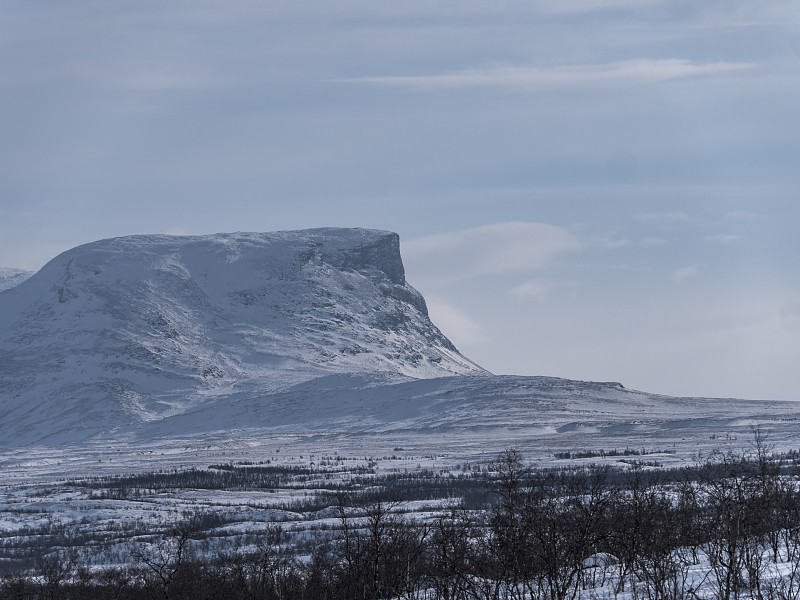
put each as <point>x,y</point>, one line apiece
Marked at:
<point>54,570</point>
<point>567,515</point>
<point>163,560</point>
<point>452,556</point>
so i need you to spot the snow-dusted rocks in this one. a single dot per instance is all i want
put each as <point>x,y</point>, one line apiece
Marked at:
<point>135,329</point>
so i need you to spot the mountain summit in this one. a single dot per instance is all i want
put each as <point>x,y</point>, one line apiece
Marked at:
<point>139,328</point>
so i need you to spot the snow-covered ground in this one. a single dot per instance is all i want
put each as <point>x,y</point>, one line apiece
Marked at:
<point>341,425</point>
<point>82,496</point>
<point>458,429</point>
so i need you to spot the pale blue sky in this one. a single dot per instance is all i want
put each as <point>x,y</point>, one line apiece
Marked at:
<point>589,189</point>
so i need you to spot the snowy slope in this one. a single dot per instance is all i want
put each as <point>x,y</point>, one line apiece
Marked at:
<point>136,329</point>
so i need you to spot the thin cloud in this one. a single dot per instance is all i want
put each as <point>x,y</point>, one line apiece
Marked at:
<point>629,267</point>
<point>161,78</point>
<point>628,71</point>
<point>533,289</point>
<point>653,241</point>
<point>459,327</point>
<point>685,273</point>
<point>609,243</point>
<point>487,250</point>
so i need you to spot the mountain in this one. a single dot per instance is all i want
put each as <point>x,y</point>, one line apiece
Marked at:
<point>312,338</point>
<point>132,330</point>
<point>12,277</point>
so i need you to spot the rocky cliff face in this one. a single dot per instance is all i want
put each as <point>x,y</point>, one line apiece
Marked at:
<point>140,328</point>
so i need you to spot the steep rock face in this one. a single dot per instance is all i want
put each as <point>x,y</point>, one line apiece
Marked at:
<point>140,328</point>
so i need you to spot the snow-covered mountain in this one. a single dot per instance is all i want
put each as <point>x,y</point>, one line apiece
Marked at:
<point>302,335</point>
<point>12,277</point>
<point>135,329</point>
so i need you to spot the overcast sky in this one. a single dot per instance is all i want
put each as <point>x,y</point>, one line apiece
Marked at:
<point>592,189</point>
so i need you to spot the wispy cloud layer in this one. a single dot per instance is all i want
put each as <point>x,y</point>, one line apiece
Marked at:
<point>487,250</point>
<point>628,71</point>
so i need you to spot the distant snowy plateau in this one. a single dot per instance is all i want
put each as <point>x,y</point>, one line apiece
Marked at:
<point>310,337</point>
